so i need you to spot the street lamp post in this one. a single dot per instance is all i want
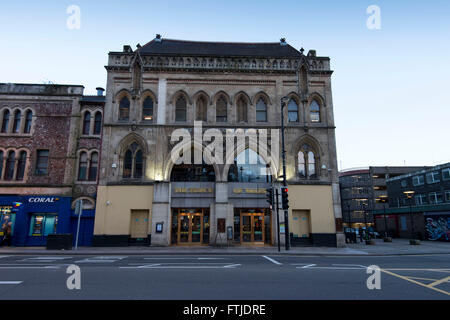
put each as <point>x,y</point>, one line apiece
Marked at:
<point>409,195</point>
<point>284,101</point>
<point>383,199</point>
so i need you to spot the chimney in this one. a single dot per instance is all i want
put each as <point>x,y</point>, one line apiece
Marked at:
<point>127,48</point>
<point>99,91</point>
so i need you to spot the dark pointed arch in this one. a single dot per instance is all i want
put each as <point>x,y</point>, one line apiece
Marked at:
<point>262,94</point>
<point>218,95</point>
<point>177,94</point>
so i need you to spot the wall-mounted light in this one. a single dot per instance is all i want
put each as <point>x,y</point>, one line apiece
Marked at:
<point>108,203</point>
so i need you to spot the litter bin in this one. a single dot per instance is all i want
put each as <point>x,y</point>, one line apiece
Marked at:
<point>62,241</point>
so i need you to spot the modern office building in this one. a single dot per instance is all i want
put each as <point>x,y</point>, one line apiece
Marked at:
<point>428,207</point>
<point>361,189</point>
<point>172,169</point>
<point>50,143</point>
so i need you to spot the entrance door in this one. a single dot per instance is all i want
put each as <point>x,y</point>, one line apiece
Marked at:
<point>139,224</point>
<point>252,228</point>
<point>300,224</point>
<point>190,228</point>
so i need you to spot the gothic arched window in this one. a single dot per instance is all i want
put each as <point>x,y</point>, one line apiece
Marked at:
<point>1,164</point>
<point>21,165</point>
<point>147,109</point>
<point>93,167</point>
<point>16,122</point>
<point>261,111</point>
<point>5,121</point>
<point>307,162</point>
<point>241,110</point>
<point>292,111</point>
<point>314,110</point>
<point>82,166</point>
<point>10,163</point>
<point>28,121</point>
<point>133,162</point>
<point>201,114</point>
<point>98,123</point>
<point>87,123</point>
<point>249,166</point>
<point>221,110</point>
<point>180,109</point>
<point>124,109</point>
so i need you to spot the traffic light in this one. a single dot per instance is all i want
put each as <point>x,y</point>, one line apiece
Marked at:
<point>269,196</point>
<point>284,198</point>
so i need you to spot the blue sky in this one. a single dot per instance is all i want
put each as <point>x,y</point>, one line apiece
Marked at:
<point>390,86</point>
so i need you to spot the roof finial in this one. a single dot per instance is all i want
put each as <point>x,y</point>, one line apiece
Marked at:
<point>302,50</point>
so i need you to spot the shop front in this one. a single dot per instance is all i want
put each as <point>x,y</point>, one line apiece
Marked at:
<point>35,217</point>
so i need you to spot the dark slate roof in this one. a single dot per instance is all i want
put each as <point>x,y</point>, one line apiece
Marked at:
<point>234,49</point>
<point>93,99</point>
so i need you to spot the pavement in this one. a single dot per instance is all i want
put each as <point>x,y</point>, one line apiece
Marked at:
<point>397,247</point>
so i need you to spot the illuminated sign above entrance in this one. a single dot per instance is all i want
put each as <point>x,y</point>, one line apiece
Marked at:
<point>43,200</point>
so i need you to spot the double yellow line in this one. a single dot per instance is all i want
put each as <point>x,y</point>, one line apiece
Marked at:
<point>429,286</point>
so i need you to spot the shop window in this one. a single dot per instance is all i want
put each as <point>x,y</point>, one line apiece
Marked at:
<point>292,111</point>
<point>180,109</point>
<point>16,122</point>
<point>261,111</point>
<point>147,109</point>
<point>42,162</point>
<point>6,214</point>
<point>314,110</point>
<point>98,123</point>
<point>249,166</point>
<point>43,224</point>
<point>221,110</point>
<point>124,109</point>
<point>5,121</point>
<point>28,122</point>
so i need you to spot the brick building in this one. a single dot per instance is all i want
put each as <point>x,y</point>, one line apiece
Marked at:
<point>42,143</point>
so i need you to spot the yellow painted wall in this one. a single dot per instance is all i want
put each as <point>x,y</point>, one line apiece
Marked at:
<point>317,199</point>
<point>114,219</point>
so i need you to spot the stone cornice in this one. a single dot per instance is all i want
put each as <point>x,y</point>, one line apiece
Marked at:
<point>120,61</point>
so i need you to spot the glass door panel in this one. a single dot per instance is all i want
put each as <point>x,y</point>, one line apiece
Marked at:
<point>184,228</point>
<point>196,223</point>
<point>246,228</point>
<point>258,222</point>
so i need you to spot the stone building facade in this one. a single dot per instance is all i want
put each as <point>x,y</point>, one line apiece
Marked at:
<point>146,195</point>
<point>41,140</point>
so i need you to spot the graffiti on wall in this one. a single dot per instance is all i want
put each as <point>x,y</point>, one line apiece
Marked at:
<point>438,228</point>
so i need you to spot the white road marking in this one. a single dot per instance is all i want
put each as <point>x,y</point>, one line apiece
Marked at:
<point>272,260</point>
<point>232,266</point>
<point>45,259</point>
<point>179,265</point>
<point>102,259</point>
<point>4,257</point>
<point>11,282</point>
